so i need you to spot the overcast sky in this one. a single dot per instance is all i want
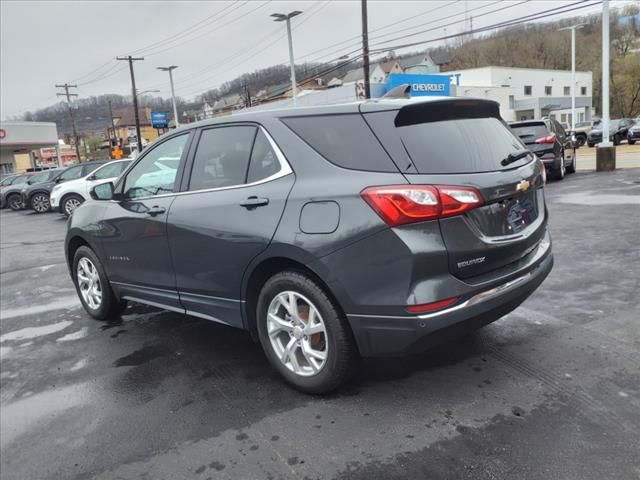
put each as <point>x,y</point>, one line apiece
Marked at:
<point>49,42</point>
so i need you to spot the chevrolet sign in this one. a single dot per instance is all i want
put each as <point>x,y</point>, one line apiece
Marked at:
<point>421,85</point>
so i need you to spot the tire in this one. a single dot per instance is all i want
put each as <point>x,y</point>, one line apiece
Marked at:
<point>335,342</point>
<point>616,139</point>
<point>108,306</point>
<point>559,173</point>
<point>40,202</point>
<point>69,203</point>
<point>14,202</point>
<point>591,145</point>
<point>572,167</point>
<point>631,142</point>
<point>581,139</point>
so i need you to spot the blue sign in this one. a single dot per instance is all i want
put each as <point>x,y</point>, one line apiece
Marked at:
<point>421,85</point>
<point>160,119</point>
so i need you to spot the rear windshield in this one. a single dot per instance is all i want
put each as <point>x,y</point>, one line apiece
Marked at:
<point>528,132</point>
<point>453,145</point>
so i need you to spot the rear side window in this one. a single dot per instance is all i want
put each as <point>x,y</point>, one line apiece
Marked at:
<point>452,145</point>
<point>110,171</point>
<point>264,162</point>
<point>222,157</point>
<point>344,140</point>
<point>71,173</point>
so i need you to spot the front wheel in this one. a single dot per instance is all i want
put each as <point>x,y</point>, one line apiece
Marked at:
<point>93,286</point>
<point>15,202</point>
<point>631,142</point>
<point>616,139</point>
<point>581,139</point>
<point>70,203</point>
<point>40,203</point>
<point>591,145</point>
<point>305,337</point>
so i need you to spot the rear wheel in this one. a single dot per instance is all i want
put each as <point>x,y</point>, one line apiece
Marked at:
<point>93,286</point>
<point>15,202</point>
<point>581,139</point>
<point>572,166</point>
<point>561,170</point>
<point>305,337</point>
<point>40,203</point>
<point>590,144</point>
<point>631,142</point>
<point>616,139</point>
<point>70,203</point>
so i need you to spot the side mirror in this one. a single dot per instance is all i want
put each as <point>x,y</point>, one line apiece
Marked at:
<point>104,191</point>
<point>91,178</point>
<point>58,180</point>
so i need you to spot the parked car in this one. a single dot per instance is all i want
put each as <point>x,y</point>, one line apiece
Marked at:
<point>36,197</point>
<point>14,194</point>
<point>404,223</point>
<point>633,134</point>
<point>66,196</point>
<point>10,192</point>
<point>581,131</point>
<point>617,132</point>
<point>550,142</point>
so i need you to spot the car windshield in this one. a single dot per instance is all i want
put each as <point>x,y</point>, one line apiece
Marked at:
<point>583,124</point>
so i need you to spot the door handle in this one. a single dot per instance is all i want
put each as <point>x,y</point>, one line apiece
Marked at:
<point>156,210</point>
<point>254,202</point>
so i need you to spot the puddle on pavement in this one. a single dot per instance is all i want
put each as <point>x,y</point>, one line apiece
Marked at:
<point>597,199</point>
<point>34,332</point>
<point>20,416</point>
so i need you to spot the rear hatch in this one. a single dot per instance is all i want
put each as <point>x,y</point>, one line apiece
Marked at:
<point>535,135</point>
<point>462,142</point>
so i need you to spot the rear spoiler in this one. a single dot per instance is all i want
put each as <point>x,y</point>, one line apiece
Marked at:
<point>449,109</point>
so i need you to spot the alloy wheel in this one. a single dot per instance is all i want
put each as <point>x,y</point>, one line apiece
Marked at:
<point>15,203</point>
<point>70,205</point>
<point>89,283</point>
<point>40,203</point>
<point>297,333</point>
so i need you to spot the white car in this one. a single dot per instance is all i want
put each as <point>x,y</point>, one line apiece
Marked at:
<point>67,196</point>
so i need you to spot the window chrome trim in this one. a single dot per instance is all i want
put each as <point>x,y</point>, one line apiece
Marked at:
<point>285,169</point>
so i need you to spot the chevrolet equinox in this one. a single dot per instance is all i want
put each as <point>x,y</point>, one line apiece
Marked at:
<point>374,228</point>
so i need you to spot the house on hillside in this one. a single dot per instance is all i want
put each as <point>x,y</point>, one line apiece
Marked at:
<point>377,78</point>
<point>425,63</point>
<point>392,66</point>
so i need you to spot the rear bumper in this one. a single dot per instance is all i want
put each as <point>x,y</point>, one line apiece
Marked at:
<point>380,335</point>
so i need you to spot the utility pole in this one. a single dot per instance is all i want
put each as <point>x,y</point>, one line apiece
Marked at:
<point>281,17</point>
<point>113,126</point>
<point>131,59</point>
<point>365,49</point>
<point>66,93</point>
<point>606,152</point>
<point>247,95</point>
<point>173,93</point>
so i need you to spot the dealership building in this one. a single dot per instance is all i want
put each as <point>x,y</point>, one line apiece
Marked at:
<point>527,93</point>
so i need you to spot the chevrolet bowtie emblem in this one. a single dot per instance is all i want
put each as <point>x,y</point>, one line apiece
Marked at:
<point>522,186</point>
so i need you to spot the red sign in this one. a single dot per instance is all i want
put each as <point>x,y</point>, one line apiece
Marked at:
<point>2,133</point>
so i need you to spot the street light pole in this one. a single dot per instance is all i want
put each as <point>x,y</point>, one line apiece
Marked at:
<point>173,93</point>
<point>606,152</point>
<point>573,73</point>
<point>281,17</point>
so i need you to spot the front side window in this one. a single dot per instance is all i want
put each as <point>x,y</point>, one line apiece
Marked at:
<point>71,173</point>
<point>527,89</point>
<point>222,157</point>
<point>39,177</point>
<point>156,172</point>
<point>111,170</point>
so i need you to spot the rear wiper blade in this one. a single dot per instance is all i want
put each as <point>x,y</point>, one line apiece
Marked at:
<point>514,157</point>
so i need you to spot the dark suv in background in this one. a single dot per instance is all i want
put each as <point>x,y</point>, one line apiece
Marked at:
<point>617,132</point>
<point>550,142</point>
<point>36,197</point>
<point>633,134</point>
<point>378,228</point>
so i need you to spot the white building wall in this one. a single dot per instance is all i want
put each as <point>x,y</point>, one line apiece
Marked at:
<point>498,94</point>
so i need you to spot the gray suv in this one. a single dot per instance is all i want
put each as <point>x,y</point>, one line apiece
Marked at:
<point>374,228</point>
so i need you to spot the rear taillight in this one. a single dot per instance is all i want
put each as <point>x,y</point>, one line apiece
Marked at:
<point>402,204</point>
<point>430,307</point>
<point>548,139</point>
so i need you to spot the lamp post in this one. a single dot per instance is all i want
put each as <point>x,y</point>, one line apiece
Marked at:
<point>573,73</point>
<point>606,153</point>
<point>173,94</point>
<point>281,17</point>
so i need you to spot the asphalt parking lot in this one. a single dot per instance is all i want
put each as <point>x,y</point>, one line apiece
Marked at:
<point>551,391</point>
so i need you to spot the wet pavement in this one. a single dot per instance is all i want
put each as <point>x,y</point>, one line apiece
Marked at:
<point>552,391</point>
